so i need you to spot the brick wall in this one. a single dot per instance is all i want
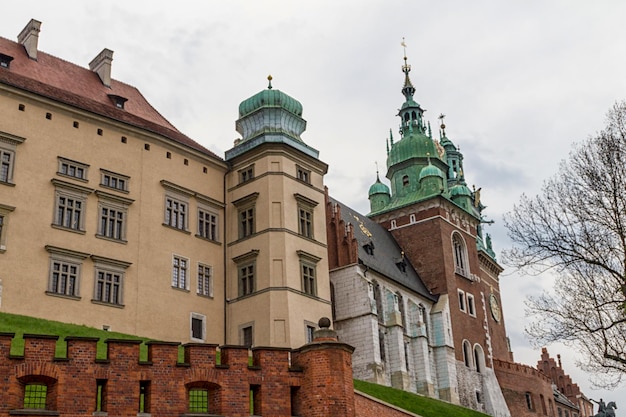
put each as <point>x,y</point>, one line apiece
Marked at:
<point>517,381</point>
<point>280,389</point>
<point>367,406</point>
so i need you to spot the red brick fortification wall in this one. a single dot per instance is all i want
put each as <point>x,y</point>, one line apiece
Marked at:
<point>72,383</point>
<point>327,376</point>
<point>367,406</point>
<point>517,381</point>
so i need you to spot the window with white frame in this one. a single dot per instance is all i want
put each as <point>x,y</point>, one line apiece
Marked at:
<point>115,181</point>
<point>461,266</point>
<point>462,305</point>
<point>109,280</point>
<point>112,216</point>
<point>468,358</point>
<point>65,272</point>
<point>471,306</point>
<point>73,169</point>
<point>180,272</point>
<point>8,149</point>
<point>205,280</point>
<point>197,327</point>
<point>70,205</point>
<point>5,212</point>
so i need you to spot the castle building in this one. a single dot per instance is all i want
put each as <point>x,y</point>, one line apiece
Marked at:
<point>112,218</point>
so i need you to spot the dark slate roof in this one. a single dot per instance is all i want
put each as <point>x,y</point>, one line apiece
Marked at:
<point>67,83</point>
<point>386,254</point>
<point>559,397</point>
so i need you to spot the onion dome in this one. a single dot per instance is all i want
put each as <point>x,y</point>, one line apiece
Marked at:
<point>270,112</point>
<point>378,188</point>
<point>270,98</point>
<point>430,171</point>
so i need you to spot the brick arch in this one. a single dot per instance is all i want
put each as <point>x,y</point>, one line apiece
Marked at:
<point>202,375</point>
<point>38,369</point>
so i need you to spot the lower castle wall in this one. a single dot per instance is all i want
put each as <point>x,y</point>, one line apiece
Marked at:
<point>518,380</point>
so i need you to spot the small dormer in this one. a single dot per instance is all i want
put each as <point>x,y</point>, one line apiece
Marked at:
<point>118,101</point>
<point>369,248</point>
<point>5,60</point>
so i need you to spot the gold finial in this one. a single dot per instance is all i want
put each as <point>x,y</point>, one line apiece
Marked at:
<point>269,78</point>
<point>406,67</point>
<point>443,125</point>
<point>403,43</point>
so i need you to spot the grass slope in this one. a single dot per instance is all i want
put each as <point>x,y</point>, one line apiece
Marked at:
<point>424,406</point>
<point>20,325</point>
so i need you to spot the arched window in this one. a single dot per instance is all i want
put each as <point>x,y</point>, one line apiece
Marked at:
<point>479,358</point>
<point>543,405</point>
<point>333,308</point>
<point>378,298</point>
<point>529,401</point>
<point>39,392</point>
<point>460,255</point>
<point>402,311</point>
<point>405,180</point>
<point>467,354</point>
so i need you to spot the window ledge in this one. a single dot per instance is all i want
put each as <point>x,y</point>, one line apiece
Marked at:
<point>68,229</point>
<point>111,239</point>
<point>33,412</point>
<point>107,304</point>
<point>8,184</point>
<point>69,297</point>
<point>180,289</point>
<point>216,242</point>
<point>177,229</point>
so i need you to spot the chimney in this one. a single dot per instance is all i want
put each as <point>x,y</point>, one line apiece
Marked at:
<point>101,65</point>
<point>29,36</point>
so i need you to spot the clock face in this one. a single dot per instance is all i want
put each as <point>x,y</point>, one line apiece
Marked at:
<point>495,308</point>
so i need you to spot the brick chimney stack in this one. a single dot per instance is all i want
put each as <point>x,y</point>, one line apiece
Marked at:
<point>101,65</point>
<point>29,37</point>
<point>327,385</point>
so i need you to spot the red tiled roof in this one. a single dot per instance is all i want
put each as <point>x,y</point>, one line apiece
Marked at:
<point>80,87</point>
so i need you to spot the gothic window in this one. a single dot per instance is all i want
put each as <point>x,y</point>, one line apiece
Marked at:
<point>460,255</point>
<point>529,400</point>
<point>467,354</point>
<point>479,358</point>
<point>405,180</point>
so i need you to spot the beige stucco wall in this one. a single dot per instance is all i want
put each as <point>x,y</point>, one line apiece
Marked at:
<point>151,307</point>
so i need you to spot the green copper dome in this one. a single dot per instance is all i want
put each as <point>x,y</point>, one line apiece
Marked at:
<point>270,98</point>
<point>460,190</point>
<point>430,171</point>
<point>412,145</point>
<point>378,188</point>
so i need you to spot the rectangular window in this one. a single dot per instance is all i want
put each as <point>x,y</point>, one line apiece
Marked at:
<point>198,400</point>
<point>69,212</point>
<point>310,331</point>
<point>144,397</point>
<point>35,396</point>
<point>101,394</point>
<point>179,272</point>
<point>205,282</point>
<point>462,306</point>
<point>108,287</point>
<point>308,279</point>
<point>207,224</point>
<point>471,308</point>
<point>246,222</point>
<point>64,279</point>
<point>305,226</point>
<point>247,336</point>
<point>198,326</point>
<point>246,174</point>
<point>246,279</point>
<point>114,181</point>
<point>8,149</point>
<point>6,165</point>
<point>111,223</point>
<point>303,175</point>
<point>176,213</point>
<point>5,212</point>
<point>72,169</point>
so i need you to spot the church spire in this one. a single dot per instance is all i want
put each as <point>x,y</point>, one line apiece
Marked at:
<point>408,90</point>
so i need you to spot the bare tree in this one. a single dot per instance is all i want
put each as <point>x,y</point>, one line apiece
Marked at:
<point>576,226</point>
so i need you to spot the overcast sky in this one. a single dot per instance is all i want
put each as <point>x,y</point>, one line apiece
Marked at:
<point>519,83</point>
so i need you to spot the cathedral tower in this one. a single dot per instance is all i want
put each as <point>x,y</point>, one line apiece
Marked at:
<point>436,219</point>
